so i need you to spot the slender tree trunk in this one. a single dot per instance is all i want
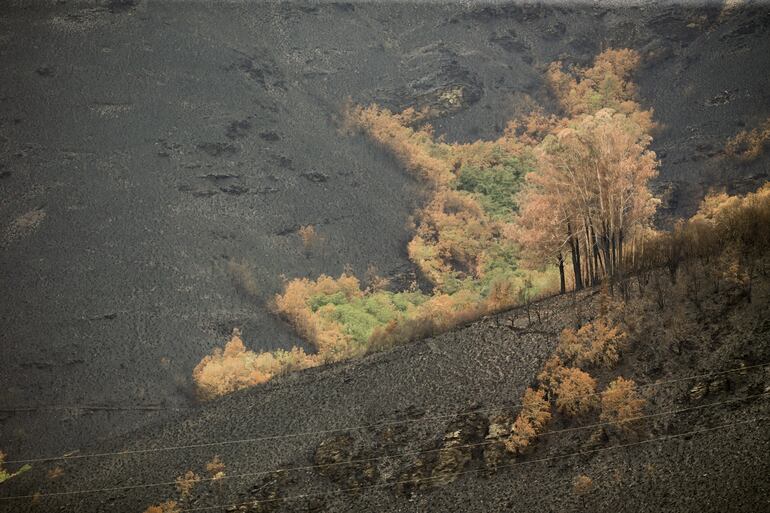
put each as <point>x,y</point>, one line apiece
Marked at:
<point>575,249</point>
<point>562,282</point>
<point>613,247</point>
<point>605,238</point>
<point>600,267</point>
<point>590,263</point>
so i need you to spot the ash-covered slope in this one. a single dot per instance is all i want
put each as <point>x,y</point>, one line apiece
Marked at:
<point>143,145</point>
<point>411,429</point>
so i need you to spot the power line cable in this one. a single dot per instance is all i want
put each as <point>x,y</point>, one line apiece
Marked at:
<point>352,428</point>
<point>387,456</point>
<point>90,408</point>
<point>473,471</point>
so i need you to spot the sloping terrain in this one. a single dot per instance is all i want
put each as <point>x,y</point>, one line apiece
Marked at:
<point>144,145</point>
<point>377,434</point>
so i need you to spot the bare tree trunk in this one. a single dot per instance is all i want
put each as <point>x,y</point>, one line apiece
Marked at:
<point>575,248</point>
<point>605,238</point>
<point>589,261</point>
<point>599,264</point>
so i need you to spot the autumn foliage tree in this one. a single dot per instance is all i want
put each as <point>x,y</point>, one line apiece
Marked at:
<point>594,177</point>
<point>530,422</point>
<point>596,343</point>
<point>542,233</point>
<point>606,84</point>
<point>621,405</point>
<point>574,395</point>
<point>575,391</point>
<point>452,236</point>
<point>589,195</point>
<point>732,227</point>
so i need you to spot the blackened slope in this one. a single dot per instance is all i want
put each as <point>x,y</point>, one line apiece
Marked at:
<point>144,146</point>
<point>482,366</point>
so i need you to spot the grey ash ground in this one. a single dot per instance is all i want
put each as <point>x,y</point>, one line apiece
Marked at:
<point>143,145</point>
<point>411,395</point>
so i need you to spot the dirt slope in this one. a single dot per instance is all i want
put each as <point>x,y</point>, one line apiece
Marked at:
<point>413,394</point>
<point>144,144</point>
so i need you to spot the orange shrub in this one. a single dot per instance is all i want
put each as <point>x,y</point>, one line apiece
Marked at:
<point>576,392</point>
<point>163,507</point>
<point>452,235</point>
<point>606,84</point>
<point>414,148</point>
<point>552,372</point>
<point>235,367</point>
<point>595,343</point>
<point>216,468</point>
<point>732,223</point>
<point>533,417</point>
<point>621,403</point>
<point>582,484</point>
<point>749,144</point>
<point>185,483</point>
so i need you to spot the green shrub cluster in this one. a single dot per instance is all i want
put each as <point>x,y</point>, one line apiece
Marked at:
<point>495,185</point>
<point>360,316</point>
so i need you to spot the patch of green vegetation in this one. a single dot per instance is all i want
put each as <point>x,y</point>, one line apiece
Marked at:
<point>360,316</point>
<point>316,302</point>
<point>502,265</point>
<point>496,186</point>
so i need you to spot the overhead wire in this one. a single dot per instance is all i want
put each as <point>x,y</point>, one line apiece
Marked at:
<point>384,457</point>
<point>474,471</point>
<point>361,427</point>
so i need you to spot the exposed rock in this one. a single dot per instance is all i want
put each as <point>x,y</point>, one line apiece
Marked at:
<point>448,85</point>
<point>718,384</point>
<point>335,458</point>
<point>698,391</point>
<point>238,129</point>
<point>217,149</point>
<point>270,136</point>
<point>499,430</point>
<point>316,176</point>
<point>720,99</point>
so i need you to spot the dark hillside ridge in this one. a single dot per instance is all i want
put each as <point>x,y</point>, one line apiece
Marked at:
<point>145,144</point>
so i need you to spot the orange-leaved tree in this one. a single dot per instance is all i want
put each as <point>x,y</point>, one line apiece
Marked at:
<point>594,175</point>
<point>533,417</point>
<point>575,392</point>
<point>595,343</point>
<point>621,404</point>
